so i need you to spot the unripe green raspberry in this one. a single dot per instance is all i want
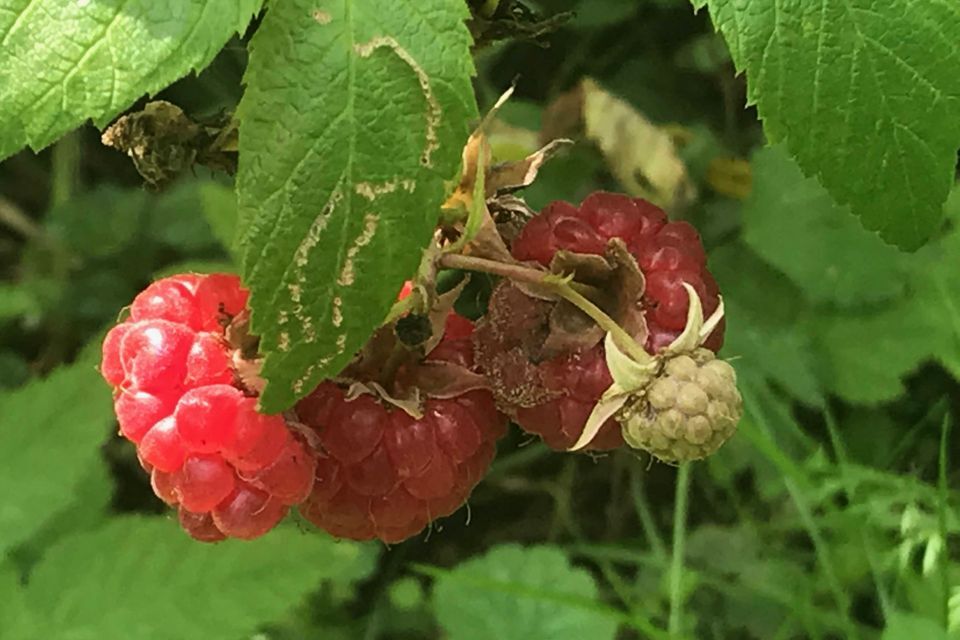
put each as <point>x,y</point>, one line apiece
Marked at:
<point>687,412</point>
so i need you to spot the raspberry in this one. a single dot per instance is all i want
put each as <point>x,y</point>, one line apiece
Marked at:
<point>231,471</point>
<point>385,474</point>
<point>668,254</point>
<point>552,394</point>
<point>688,411</point>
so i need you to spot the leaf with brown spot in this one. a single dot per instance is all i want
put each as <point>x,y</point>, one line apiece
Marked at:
<point>351,127</point>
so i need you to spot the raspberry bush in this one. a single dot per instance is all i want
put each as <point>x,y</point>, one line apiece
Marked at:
<point>675,353</point>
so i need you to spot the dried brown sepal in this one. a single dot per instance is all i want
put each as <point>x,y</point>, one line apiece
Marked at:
<point>484,189</point>
<point>248,373</point>
<point>368,362</point>
<point>441,379</point>
<point>237,333</point>
<point>245,346</point>
<point>510,214</point>
<point>493,234</point>
<point>397,373</point>
<point>410,403</point>
<point>570,330</point>
<point>617,278</point>
<point>584,267</point>
<point>507,177</point>
<point>629,283</point>
<point>488,242</point>
<point>412,379</point>
<point>441,308</point>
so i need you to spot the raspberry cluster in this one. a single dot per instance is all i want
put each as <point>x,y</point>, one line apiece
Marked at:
<point>569,384</point>
<point>383,473</point>
<point>400,439</point>
<point>231,471</point>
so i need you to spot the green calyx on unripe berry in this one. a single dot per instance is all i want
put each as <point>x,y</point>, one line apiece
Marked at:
<point>680,404</point>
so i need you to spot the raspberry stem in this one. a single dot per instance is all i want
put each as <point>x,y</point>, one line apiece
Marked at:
<point>675,623</point>
<point>516,272</point>
<point>398,355</point>
<point>576,293</point>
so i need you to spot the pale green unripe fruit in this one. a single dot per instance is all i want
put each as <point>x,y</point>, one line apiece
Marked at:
<point>687,412</point>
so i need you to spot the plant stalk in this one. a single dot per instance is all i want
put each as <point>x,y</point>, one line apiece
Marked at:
<point>675,624</point>
<point>942,507</point>
<point>65,175</point>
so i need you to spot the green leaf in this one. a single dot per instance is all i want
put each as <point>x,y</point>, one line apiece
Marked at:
<point>763,334</point>
<point>354,116</point>
<point>64,62</point>
<point>864,95</point>
<point>15,301</point>
<point>13,609</point>
<point>868,354</point>
<point>50,435</point>
<point>906,626</point>
<point>143,578</point>
<point>14,369</point>
<point>99,223</point>
<point>936,281</point>
<point>219,206</point>
<point>178,218</point>
<point>792,222</point>
<point>406,594</point>
<point>514,592</point>
<point>90,507</point>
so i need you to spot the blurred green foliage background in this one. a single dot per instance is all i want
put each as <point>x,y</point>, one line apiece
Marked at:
<point>832,514</point>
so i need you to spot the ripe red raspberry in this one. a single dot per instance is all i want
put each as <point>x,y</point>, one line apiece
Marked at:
<point>558,392</point>
<point>384,474</point>
<point>668,253</point>
<point>231,471</point>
